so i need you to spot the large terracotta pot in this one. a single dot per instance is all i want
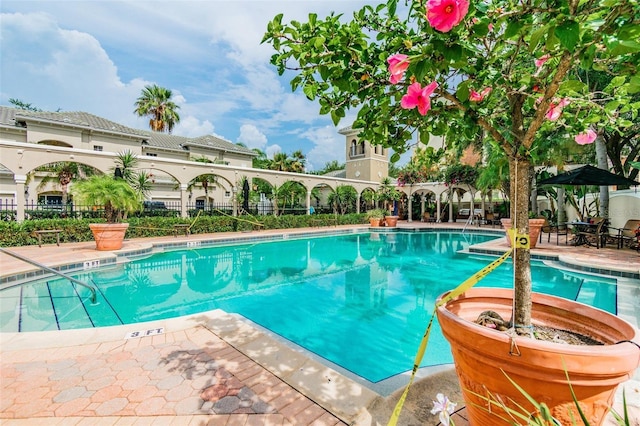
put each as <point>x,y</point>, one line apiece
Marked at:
<point>391,221</point>
<point>108,236</point>
<point>535,225</point>
<point>481,354</point>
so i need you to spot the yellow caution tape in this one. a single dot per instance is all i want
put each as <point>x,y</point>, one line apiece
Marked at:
<point>518,240</point>
<point>466,285</point>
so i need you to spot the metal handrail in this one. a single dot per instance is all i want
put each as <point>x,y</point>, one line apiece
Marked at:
<point>53,271</point>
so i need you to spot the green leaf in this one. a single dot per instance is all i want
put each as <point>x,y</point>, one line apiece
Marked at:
<point>335,118</point>
<point>310,91</point>
<point>392,7</point>
<point>572,86</point>
<point>453,52</point>
<point>634,85</point>
<point>536,36</point>
<point>568,33</point>
<point>611,106</point>
<point>624,47</point>
<point>395,157</point>
<point>513,28</point>
<point>462,93</point>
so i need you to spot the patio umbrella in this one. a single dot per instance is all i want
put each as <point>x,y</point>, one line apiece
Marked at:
<point>245,196</point>
<point>588,175</point>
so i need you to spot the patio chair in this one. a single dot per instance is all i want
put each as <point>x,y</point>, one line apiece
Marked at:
<point>557,229</point>
<point>627,234</point>
<point>596,234</point>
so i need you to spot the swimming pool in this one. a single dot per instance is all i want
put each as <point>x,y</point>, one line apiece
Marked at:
<point>359,300</point>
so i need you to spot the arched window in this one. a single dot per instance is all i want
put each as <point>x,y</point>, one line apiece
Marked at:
<point>361,150</point>
<point>353,148</point>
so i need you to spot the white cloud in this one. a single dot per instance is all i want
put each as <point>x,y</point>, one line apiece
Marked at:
<point>191,127</point>
<point>328,145</point>
<point>272,149</point>
<point>252,137</point>
<point>97,56</point>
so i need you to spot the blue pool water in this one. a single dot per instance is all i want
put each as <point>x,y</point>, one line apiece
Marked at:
<point>359,300</point>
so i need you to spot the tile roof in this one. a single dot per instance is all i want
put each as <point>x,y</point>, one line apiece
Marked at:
<point>9,116</point>
<point>337,173</point>
<point>79,119</point>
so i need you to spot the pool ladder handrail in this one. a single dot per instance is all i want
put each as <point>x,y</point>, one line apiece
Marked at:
<point>51,270</point>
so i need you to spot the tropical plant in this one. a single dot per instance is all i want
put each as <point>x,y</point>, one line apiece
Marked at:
<point>498,69</point>
<point>63,173</point>
<point>203,180</point>
<point>376,214</point>
<point>23,105</point>
<point>387,192</point>
<point>343,199</point>
<point>126,162</point>
<point>155,102</point>
<point>116,196</point>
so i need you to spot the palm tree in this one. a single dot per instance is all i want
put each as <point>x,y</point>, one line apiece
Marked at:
<point>156,103</point>
<point>63,173</point>
<point>204,180</point>
<point>127,161</point>
<point>280,162</point>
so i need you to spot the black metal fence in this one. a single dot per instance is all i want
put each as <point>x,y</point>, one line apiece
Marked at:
<point>34,210</point>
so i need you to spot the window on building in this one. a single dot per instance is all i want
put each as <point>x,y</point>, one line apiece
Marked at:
<point>97,147</point>
<point>150,154</point>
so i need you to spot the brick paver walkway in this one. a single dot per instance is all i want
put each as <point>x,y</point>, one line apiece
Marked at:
<point>187,374</point>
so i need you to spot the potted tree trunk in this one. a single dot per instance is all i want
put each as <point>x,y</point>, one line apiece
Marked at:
<point>535,227</point>
<point>499,74</point>
<point>117,198</point>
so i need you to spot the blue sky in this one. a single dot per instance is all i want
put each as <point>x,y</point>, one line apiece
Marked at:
<point>97,56</point>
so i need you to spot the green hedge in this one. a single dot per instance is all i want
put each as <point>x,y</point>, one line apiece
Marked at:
<point>75,230</point>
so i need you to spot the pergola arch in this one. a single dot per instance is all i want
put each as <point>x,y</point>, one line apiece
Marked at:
<point>20,158</point>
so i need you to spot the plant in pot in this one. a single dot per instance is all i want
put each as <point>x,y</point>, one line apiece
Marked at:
<point>503,75</point>
<point>117,198</point>
<point>387,194</point>
<point>376,217</point>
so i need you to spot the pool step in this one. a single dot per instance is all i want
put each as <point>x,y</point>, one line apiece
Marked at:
<point>32,307</point>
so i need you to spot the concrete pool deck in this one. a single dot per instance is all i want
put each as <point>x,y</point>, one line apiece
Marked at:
<point>214,368</point>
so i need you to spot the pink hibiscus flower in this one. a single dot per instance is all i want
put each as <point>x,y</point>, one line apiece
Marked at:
<point>417,96</point>
<point>479,97</point>
<point>398,64</point>
<point>586,138</point>
<point>555,109</point>
<point>446,14</point>
<point>540,61</point>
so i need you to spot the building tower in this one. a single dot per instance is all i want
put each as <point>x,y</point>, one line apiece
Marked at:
<point>363,160</point>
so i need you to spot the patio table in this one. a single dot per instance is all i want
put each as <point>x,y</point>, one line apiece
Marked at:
<point>582,229</point>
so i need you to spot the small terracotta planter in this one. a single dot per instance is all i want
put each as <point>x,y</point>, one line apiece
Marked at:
<point>108,236</point>
<point>391,221</point>
<point>481,354</point>
<point>375,222</point>
<point>535,226</point>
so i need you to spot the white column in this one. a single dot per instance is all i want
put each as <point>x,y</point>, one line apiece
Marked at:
<point>184,197</point>
<point>410,207</point>
<point>308,202</point>
<point>451,205</point>
<point>234,198</point>
<point>438,207</point>
<point>20,200</point>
